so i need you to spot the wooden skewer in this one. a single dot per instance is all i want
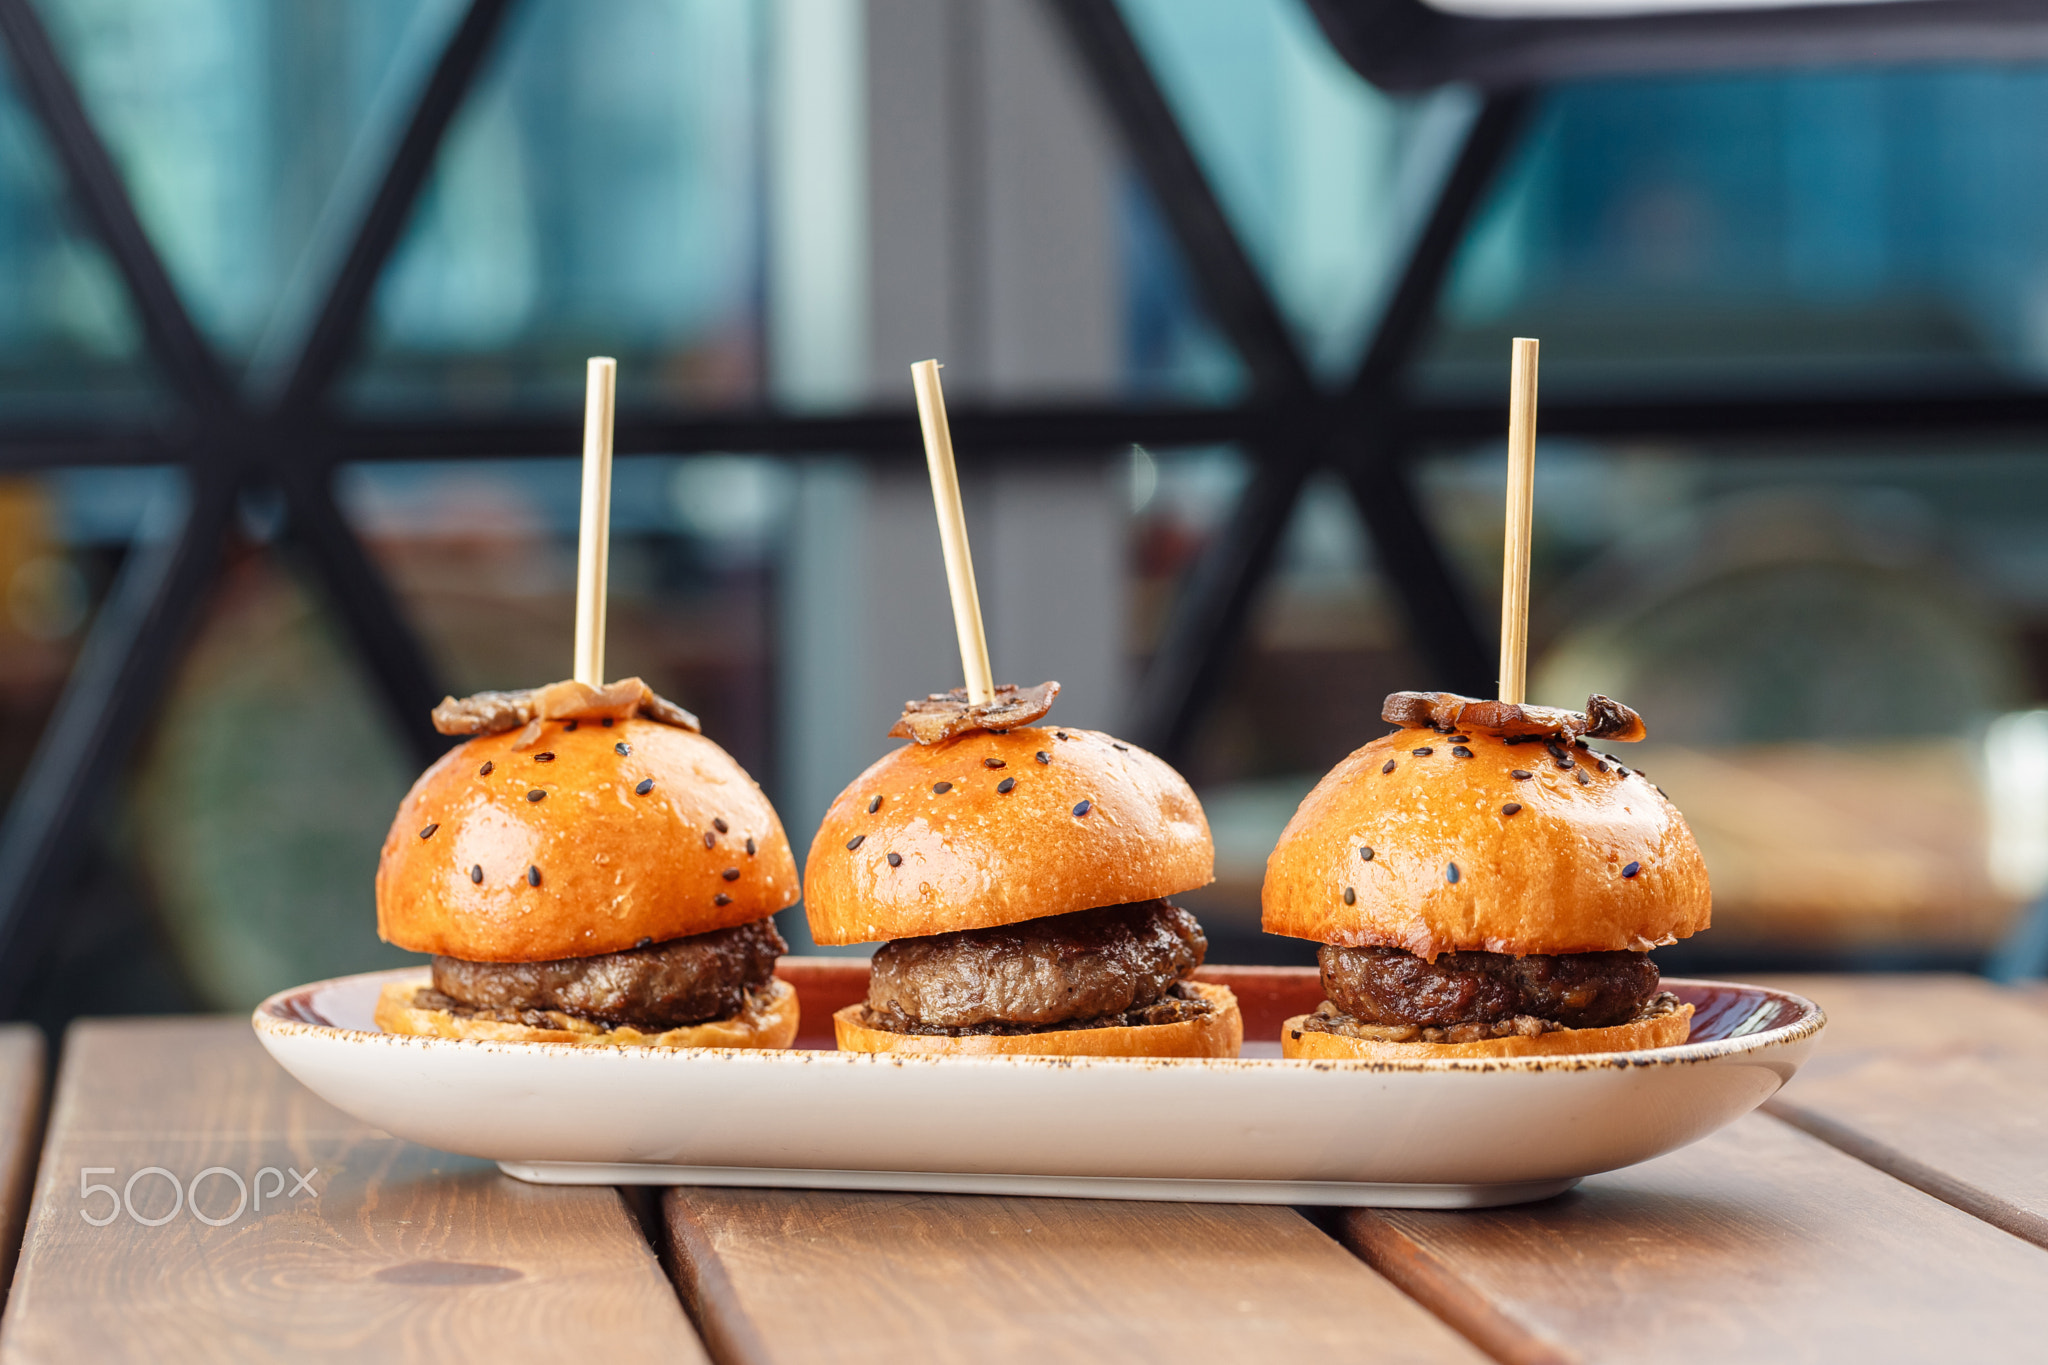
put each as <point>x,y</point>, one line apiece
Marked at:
<point>594,538</point>
<point>938,454</point>
<point>1514,574</point>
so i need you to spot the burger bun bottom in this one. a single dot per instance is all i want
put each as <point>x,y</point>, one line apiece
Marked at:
<point>1663,1030</point>
<point>768,1020</point>
<point>1218,1034</point>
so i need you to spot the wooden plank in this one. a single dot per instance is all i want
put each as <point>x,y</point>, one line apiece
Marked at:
<point>390,1252</point>
<point>793,1275</point>
<point>1760,1242</point>
<point>1940,1081</point>
<point>21,1131</point>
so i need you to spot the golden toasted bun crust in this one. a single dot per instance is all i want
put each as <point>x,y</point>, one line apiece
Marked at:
<point>769,1020</point>
<point>1665,1030</point>
<point>615,866</point>
<point>1549,878</point>
<point>1218,1034</point>
<point>973,856</point>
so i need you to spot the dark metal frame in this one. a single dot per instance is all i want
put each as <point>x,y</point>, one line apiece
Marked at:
<point>286,439</point>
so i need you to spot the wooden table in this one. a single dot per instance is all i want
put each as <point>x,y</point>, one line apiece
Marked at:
<point>1891,1204</point>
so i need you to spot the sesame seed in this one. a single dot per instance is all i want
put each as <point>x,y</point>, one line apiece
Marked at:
<point>1005,785</point>
<point>750,845</point>
<point>1350,896</point>
<point>895,860</point>
<point>874,805</point>
<point>710,839</point>
<point>1120,748</point>
<point>571,727</point>
<point>1631,869</point>
<point>1460,751</point>
<point>1450,872</point>
<point>622,748</point>
<point>1461,739</point>
<point>1511,808</point>
<point>476,874</point>
<point>1043,756</point>
<point>645,785</point>
<point>1059,734</point>
<point>1521,774</point>
<point>544,758</point>
<point>532,876</point>
<point>1579,741</point>
<point>536,795</point>
<point>721,899</point>
<point>1601,764</point>
<point>1660,792</point>
<point>993,763</point>
<point>731,874</point>
<point>855,842</point>
<point>608,722</point>
<point>644,941</point>
<point>719,824</point>
<point>428,832</point>
<point>1388,766</point>
<point>1584,781</point>
<point>1423,752</point>
<point>1621,770</point>
<point>941,788</point>
<point>1366,854</point>
<point>1083,807</point>
<point>485,771</point>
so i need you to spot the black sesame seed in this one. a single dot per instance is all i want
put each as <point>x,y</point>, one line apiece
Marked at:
<point>1631,869</point>
<point>1450,872</point>
<point>1006,784</point>
<point>536,795</point>
<point>941,788</point>
<point>1621,770</point>
<point>750,846</point>
<point>1297,1035</point>
<point>1350,896</point>
<point>1083,807</point>
<point>476,874</point>
<point>1423,752</point>
<point>532,876</point>
<point>608,722</point>
<point>485,771</point>
<point>1584,781</point>
<point>895,860</point>
<point>1511,808</point>
<point>1579,741</point>
<point>1043,756</point>
<point>644,941</point>
<point>1366,854</point>
<point>1600,764</point>
<point>1121,748</point>
<point>1565,763</point>
<point>1460,751</point>
<point>855,842</point>
<point>544,758</point>
<point>622,748</point>
<point>571,727</point>
<point>428,832</point>
<point>710,839</point>
<point>1521,774</point>
<point>1660,792</point>
<point>993,763</point>
<point>721,899</point>
<point>1388,766</point>
<point>1059,734</point>
<point>1557,751</point>
<point>645,785</point>
<point>719,824</point>
<point>731,874</point>
<point>874,805</point>
<point>1461,739</point>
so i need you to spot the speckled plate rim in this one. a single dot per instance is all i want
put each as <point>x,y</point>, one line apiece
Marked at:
<point>277,1016</point>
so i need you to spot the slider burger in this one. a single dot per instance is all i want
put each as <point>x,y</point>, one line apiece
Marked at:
<point>587,868</point>
<point>1485,883</point>
<point>1020,876</point>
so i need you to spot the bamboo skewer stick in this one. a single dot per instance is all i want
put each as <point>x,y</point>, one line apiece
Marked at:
<point>1514,575</point>
<point>594,538</point>
<point>938,454</point>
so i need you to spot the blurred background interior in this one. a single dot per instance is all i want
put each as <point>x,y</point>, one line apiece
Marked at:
<point>287,448</point>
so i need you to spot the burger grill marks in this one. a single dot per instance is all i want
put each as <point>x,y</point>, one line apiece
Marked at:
<point>1389,987</point>
<point>1118,965</point>
<point>684,981</point>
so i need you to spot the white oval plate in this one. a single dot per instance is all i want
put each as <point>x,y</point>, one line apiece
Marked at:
<point>1443,1134</point>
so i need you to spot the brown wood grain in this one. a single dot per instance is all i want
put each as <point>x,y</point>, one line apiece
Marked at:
<point>793,1275</point>
<point>400,1254</point>
<point>1942,1081</point>
<point>21,1132</point>
<point>1759,1243</point>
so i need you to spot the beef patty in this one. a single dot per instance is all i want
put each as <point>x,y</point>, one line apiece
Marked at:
<point>1042,972</point>
<point>683,981</point>
<point>1577,990</point>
